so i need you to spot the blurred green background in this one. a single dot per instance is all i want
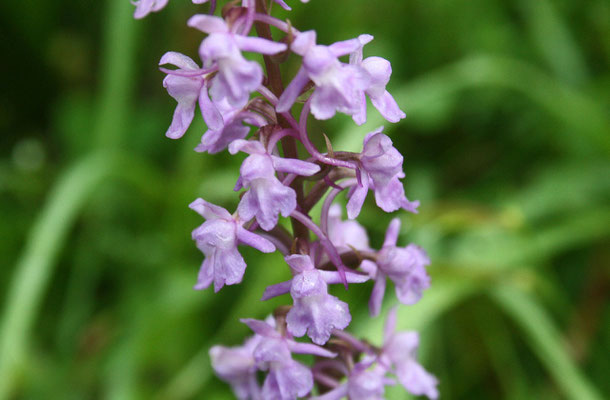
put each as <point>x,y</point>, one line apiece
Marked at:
<point>506,144</point>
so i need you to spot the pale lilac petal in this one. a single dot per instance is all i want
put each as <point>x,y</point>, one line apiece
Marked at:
<point>144,7</point>
<point>294,166</point>
<point>259,45</point>
<point>388,107</point>
<point>410,287</point>
<point>356,199</point>
<point>229,268</point>
<point>179,60</point>
<point>345,47</point>
<point>236,366</point>
<point>215,141</point>
<point>261,327</point>
<point>206,274</point>
<point>366,384</point>
<point>236,83</point>
<point>258,166</point>
<point>276,290</point>
<point>183,116</point>
<point>333,277</point>
<point>369,267</point>
<point>299,263</point>
<point>295,380</point>
<point>292,91</point>
<point>210,113</point>
<point>208,23</point>
<point>266,199</point>
<point>254,240</point>
<point>308,348</point>
<point>317,315</point>
<point>208,210</point>
<point>247,146</point>
<point>391,197</point>
<point>159,4</point>
<point>356,56</point>
<point>283,4</point>
<point>380,71</point>
<point>417,380</point>
<point>380,159</point>
<point>325,100</point>
<point>345,235</point>
<point>308,283</point>
<point>377,294</point>
<point>185,91</point>
<point>391,234</point>
<point>303,42</point>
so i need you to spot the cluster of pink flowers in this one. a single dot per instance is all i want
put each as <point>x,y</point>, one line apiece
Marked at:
<point>247,109</point>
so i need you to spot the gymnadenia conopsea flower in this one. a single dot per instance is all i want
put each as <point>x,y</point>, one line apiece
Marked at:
<point>249,108</point>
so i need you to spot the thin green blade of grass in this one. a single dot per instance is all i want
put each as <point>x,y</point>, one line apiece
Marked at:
<point>35,265</point>
<point>545,341</point>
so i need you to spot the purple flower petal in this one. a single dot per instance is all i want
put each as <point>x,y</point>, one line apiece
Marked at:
<point>253,240</point>
<point>299,263</point>
<point>261,327</point>
<point>308,348</point>
<point>292,91</point>
<point>387,106</point>
<point>303,42</point>
<point>417,380</point>
<point>345,47</point>
<point>236,366</point>
<point>209,210</point>
<point>211,115</point>
<point>144,7</point>
<point>346,235</point>
<point>356,198</point>
<point>185,91</point>
<point>259,45</point>
<point>391,234</point>
<point>334,277</point>
<point>294,166</point>
<point>315,312</point>
<point>179,60</point>
<point>265,200</point>
<point>278,289</point>
<point>292,381</point>
<point>377,294</point>
<point>208,23</point>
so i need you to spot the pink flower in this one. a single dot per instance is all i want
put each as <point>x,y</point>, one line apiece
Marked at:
<point>267,197</point>
<point>338,85</point>
<point>405,266</point>
<point>236,77</point>
<point>218,238</point>
<point>381,169</point>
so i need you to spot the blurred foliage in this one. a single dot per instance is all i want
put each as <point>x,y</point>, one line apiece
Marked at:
<point>506,144</point>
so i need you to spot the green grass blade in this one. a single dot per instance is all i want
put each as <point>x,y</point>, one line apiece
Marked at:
<point>35,265</point>
<point>545,340</point>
